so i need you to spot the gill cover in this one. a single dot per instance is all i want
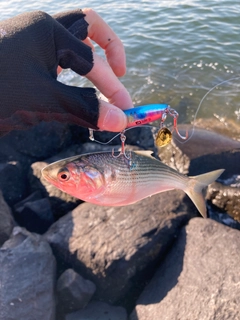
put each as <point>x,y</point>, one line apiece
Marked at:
<point>91,178</point>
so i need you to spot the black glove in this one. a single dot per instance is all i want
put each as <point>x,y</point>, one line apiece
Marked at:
<point>32,45</point>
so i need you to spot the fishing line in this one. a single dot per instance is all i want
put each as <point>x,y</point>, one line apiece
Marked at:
<point>91,131</point>
<point>200,104</point>
<point>91,134</point>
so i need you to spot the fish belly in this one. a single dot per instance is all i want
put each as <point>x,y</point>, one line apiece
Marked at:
<point>134,190</point>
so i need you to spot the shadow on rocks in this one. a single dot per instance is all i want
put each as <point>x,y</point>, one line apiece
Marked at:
<point>207,286</point>
<point>168,275</point>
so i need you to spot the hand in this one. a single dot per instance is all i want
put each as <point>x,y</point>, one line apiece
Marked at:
<point>32,47</point>
<point>104,74</point>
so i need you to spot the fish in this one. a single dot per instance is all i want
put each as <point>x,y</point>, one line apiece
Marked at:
<point>119,179</point>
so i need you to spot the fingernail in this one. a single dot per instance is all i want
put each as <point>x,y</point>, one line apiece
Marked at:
<point>114,120</point>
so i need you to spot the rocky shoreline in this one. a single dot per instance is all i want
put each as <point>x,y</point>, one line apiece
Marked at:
<point>62,259</point>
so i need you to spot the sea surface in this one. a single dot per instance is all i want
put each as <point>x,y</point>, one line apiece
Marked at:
<point>185,53</point>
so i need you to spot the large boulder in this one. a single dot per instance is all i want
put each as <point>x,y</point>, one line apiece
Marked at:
<point>199,278</point>
<point>73,291</point>
<point>27,278</point>
<point>13,182</point>
<point>34,213</point>
<point>208,150</point>
<point>99,311</point>
<point>226,198</point>
<point>6,220</point>
<point>40,141</point>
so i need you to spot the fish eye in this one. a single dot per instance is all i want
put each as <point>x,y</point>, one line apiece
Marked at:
<point>63,175</point>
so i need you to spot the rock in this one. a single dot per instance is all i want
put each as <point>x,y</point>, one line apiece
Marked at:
<point>13,182</point>
<point>209,151</point>
<point>99,311</point>
<point>225,198</point>
<point>222,217</point>
<point>202,142</point>
<point>230,161</point>
<point>8,152</point>
<point>225,127</point>
<point>118,247</point>
<point>174,157</point>
<point>41,141</point>
<point>79,135</point>
<point>199,278</point>
<point>6,219</point>
<point>204,151</point>
<point>141,137</point>
<point>27,278</point>
<point>73,291</point>
<point>34,213</point>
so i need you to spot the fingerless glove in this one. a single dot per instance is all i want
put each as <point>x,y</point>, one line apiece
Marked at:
<point>32,45</point>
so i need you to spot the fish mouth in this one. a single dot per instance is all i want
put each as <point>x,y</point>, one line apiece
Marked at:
<point>45,173</point>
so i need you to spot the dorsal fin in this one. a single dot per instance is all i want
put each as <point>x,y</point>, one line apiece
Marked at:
<point>146,153</point>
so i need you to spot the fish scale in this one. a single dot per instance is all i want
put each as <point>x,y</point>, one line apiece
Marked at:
<point>117,179</point>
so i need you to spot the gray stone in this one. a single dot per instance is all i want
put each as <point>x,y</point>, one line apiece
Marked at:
<point>199,278</point>
<point>34,213</point>
<point>8,152</point>
<point>73,291</point>
<point>7,222</point>
<point>41,141</point>
<point>209,151</point>
<point>118,247</point>
<point>204,141</point>
<point>228,128</point>
<point>174,157</point>
<point>225,198</point>
<point>99,311</point>
<point>27,278</point>
<point>13,182</point>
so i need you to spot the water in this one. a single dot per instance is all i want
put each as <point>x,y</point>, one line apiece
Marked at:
<point>176,51</point>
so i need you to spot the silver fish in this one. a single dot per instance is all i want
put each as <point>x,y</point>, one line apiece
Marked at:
<point>105,179</point>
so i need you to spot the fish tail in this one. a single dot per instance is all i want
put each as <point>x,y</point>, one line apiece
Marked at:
<point>196,186</point>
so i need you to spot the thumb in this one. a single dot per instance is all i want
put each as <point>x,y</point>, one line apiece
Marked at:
<point>111,118</point>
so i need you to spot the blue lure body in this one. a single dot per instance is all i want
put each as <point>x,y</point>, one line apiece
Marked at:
<point>146,114</point>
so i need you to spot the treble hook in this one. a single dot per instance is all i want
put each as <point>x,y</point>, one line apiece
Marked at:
<point>123,152</point>
<point>175,115</point>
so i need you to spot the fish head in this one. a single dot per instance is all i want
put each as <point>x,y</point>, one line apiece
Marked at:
<point>77,178</point>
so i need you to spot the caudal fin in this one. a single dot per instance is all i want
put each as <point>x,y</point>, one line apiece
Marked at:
<point>196,186</point>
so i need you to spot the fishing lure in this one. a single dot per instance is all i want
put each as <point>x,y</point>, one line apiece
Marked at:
<point>148,113</point>
<point>143,115</point>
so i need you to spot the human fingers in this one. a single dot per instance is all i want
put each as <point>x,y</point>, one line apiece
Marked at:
<point>86,24</point>
<point>111,118</point>
<point>88,42</point>
<point>103,77</point>
<point>100,32</point>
